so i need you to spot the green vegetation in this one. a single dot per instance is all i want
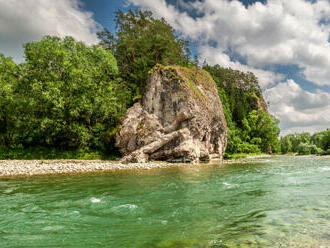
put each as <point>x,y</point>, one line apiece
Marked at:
<point>67,100</point>
<point>306,144</point>
<point>65,95</point>
<point>190,79</point>
<point>250,128</point>
<point>235,156</point>
<point>53,153</point>
<point>140,43</point>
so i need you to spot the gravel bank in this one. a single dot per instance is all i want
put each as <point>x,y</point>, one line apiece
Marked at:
<point>44,167</point>
<point>10,168</point>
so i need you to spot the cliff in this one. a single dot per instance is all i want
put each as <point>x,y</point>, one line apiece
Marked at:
<point>180,119</point>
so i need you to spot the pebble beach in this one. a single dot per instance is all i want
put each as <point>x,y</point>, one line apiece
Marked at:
<point>47,167</point>
<point>10,168</point>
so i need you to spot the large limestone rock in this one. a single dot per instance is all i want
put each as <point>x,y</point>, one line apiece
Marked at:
<point>180,119</point>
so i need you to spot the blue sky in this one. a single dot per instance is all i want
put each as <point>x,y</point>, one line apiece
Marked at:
<point>104,13</point>
<point>285,43</point>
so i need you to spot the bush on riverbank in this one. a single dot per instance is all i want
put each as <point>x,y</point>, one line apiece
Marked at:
<point>306,144</point>
<point>230,156</point>
<point>323,153</point>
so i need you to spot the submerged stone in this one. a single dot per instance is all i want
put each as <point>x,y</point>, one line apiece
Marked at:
<point>180,119</point>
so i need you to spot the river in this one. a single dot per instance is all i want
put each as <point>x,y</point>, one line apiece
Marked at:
<point>275,202</point>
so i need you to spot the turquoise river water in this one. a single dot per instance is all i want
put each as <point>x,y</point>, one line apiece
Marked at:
<point>276,202</point>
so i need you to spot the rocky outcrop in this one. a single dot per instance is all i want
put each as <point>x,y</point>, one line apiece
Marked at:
<point>180,119</point>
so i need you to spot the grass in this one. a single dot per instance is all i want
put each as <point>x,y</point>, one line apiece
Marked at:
<point>324,153</point>
<point>241,155</point>
<point>195,90</point>
<point>196,75</point>
<point>42,153</point>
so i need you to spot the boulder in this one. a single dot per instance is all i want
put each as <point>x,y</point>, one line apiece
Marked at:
<point>180,119</point>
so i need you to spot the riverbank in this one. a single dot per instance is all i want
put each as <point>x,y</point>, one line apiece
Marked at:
<point>47,167</point>
<point>10,168</point>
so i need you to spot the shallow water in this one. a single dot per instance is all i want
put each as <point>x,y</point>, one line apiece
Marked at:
<point>278,202</point>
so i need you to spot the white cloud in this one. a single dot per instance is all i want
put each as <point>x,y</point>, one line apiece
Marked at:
<point>24,21</point>
<point>216,56</point>
<point>280,32</point>
<point>206,29</point>
<point>298,109</point>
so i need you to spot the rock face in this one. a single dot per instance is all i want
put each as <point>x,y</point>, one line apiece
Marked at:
<point>180,119</point>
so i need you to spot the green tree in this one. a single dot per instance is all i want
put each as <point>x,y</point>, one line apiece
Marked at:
<point>317,139</point>
<point>307,149</point>
<point>300,138</point>
<point>325,143</point>
<point>71,96</point>
<point>264,130</point>
<point>140,43</point>
<point>286,143</point>
<point>305,143</point>
<point>9,77</point>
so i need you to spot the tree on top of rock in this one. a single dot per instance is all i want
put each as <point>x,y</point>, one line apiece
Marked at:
<point>142,41</point>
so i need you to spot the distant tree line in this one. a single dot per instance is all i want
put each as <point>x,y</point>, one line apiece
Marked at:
<point>306,144</point>
<point>70,96</point>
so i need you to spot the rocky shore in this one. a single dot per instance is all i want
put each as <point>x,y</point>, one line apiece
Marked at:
<point>47,167</point>
<point>9,168</point>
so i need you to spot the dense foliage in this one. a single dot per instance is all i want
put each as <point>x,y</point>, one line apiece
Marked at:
<point>72,97</point>
<point>65,94</point>
<point>141,42</point>
<point>250,128</point>
<point>9,76</point>
<point>305,143</point>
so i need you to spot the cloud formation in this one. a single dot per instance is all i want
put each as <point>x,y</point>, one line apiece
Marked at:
<point>292,32</point>
<point>214,56</point>
<point>24,21</point>
<point>280,32</point>
<point>298,109</point>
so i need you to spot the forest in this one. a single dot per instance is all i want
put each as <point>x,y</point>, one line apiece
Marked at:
<point>306,144</point>
<point>67,99</point>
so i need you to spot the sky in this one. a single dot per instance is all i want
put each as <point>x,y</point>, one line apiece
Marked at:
<point>285,43</point>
